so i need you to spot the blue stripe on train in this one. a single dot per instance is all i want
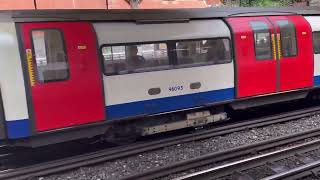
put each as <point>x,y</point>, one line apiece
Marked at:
<point>18,129</point>
<point>21,128</point>
<point>168,104</point>
<point>316,80</point>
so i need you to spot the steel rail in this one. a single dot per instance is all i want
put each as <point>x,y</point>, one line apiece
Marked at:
<point>223,156</point>
<point>122,152</point>
<point>300,172</point>
<point>229,169</point>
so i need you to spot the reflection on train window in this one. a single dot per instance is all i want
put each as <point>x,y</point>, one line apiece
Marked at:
<point>288,38</point>
<point>316,42</point>
<point>262,40</point>
<point>50,55</point>
<point>201,52</point>
<point>135,58</point>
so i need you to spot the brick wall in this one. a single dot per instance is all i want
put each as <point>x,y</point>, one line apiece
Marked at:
<point>156,4</point>
<point>16,4</point>
<point>71,4</point>
<point>104,4</point>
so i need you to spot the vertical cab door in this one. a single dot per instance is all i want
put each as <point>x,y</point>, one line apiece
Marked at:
<point>64,74</point>
<point>295,52</point>
<point>256,66</point>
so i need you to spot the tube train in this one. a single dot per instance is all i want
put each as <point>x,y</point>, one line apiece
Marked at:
<point>75,74</point>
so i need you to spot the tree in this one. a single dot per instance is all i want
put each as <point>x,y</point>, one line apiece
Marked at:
<point>265,3</point>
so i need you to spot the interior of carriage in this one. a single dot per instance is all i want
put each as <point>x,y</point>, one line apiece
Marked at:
<point>157,56</point>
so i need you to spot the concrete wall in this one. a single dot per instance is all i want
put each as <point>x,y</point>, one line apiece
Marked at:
<point>314,2</point>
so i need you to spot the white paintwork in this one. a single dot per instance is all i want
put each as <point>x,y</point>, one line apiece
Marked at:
<point>134,87</point>
<point>314,21</point>
<point>127,88</point>
<point>109,33</point>
<point>11,76</point>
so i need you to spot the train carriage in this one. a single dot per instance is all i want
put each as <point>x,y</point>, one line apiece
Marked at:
<point>68,74</point>
<point>160,84</point>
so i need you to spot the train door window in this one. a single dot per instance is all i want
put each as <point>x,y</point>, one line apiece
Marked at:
<point>316,42</point>
<point>134,58</point>
<point>203,52</point>
<point>50,55</point>
<point>288,38</point>
<point>262,40</point>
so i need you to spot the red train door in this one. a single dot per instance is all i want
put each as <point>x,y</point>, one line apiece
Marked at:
<point>65,78</point>
<point>273,54</point>
<point>295,54</point>
<point>256,71</point>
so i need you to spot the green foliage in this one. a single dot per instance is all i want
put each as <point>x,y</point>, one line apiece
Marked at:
<point>265,3</point>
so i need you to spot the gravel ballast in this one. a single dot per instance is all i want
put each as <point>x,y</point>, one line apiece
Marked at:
<point>131,165</point>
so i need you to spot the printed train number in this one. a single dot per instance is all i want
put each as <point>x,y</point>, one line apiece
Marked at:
<point>175,88</point>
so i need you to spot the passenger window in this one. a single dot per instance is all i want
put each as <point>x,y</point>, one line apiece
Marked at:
<point>288,38</point>
<point>262,40</point>
<point>135,58</point>
<point>50,55</point>
<point>316,42</point>
<point>202,52</point>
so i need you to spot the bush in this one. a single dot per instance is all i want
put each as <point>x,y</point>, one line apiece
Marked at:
<point>265,3</point>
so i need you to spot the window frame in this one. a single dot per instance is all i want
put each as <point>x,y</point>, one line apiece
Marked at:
<point>34,61</point>
<point>204,64</point>
<point>296,37</point>
<point>314,52</point>
<point>133,44</point>
<point>254,44</point>
<point>172,56</point>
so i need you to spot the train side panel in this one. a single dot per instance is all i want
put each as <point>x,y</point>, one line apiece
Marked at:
<point>128,95</point>
<point>255,75</point>
<point>273,54</point>
<point>65,78</point>
<point>12,84</point>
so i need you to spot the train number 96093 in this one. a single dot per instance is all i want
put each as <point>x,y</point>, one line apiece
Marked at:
<point>175,88</point>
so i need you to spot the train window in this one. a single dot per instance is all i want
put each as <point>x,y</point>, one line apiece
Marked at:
<point>262,42</point>
<point>50,55</point>
<point>288,38</point>
<point>316,42</point>
<point>126,59</point>
<point>202,52</point>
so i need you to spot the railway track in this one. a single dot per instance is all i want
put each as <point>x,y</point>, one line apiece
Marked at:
<point>227,156</point>
<point>307,165</point>
<point>51,167</point>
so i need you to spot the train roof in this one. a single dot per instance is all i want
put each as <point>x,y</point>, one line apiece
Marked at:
<point>148,15</point>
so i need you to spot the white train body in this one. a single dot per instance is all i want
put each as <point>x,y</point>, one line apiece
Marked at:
<point>313,20</point>
<point>217,81</point>
<point>12,82</point>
